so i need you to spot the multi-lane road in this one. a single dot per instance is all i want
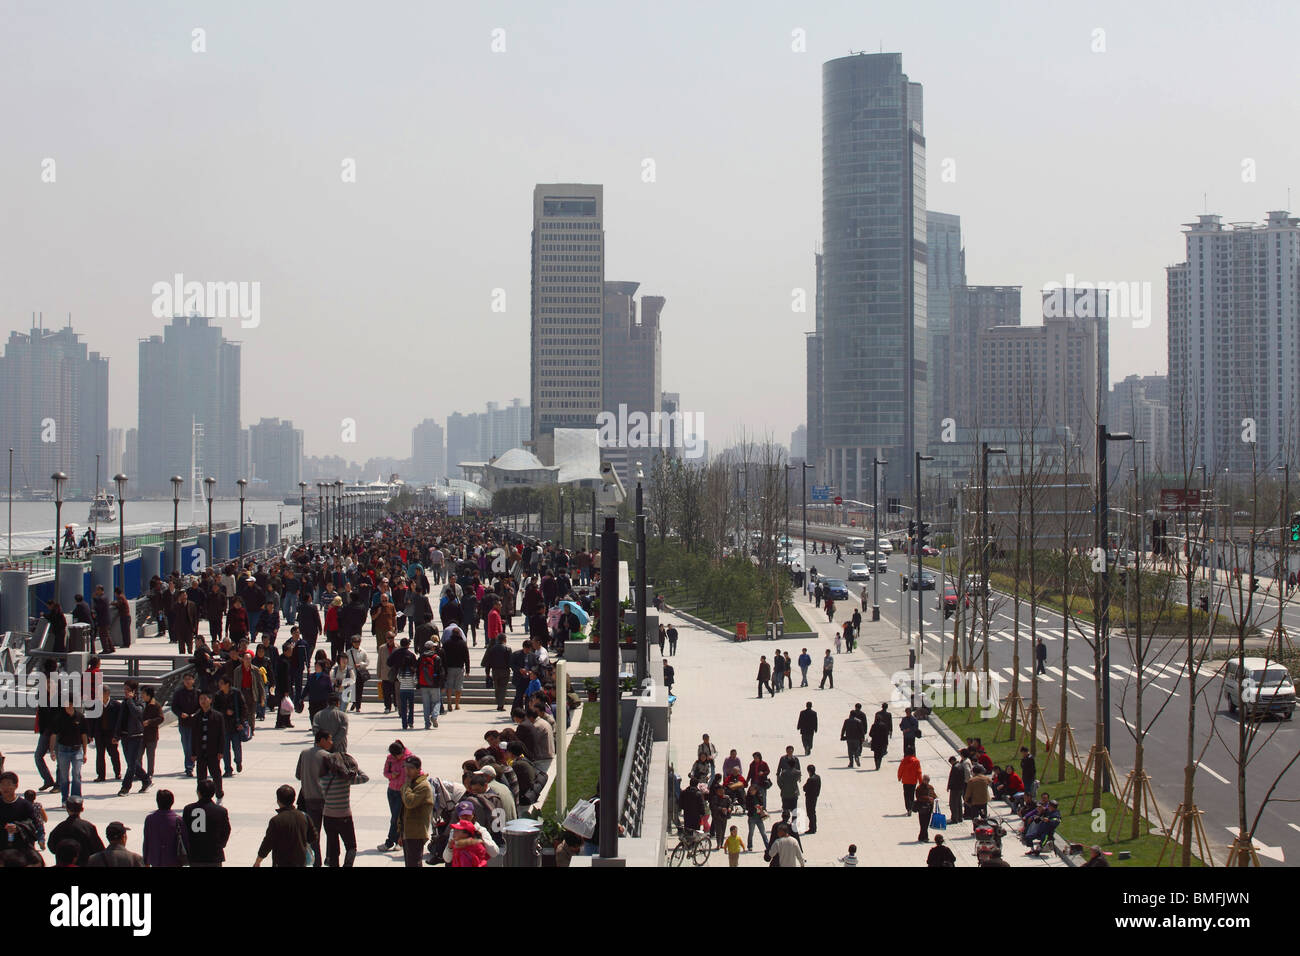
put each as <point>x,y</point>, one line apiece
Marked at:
<point>1165,706</point>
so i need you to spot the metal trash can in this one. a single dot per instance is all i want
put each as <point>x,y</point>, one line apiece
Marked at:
<point>79,638</point>
<point>780,629</point>
<point>521,842</point>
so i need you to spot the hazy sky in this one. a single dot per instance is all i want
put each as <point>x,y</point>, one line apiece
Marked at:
<point>376,295</point>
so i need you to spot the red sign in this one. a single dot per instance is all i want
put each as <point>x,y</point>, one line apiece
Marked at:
<point>1180,499</point>
<point>839,500</point>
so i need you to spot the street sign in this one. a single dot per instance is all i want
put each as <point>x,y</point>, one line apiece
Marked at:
<point>1180,499</point>
<point>839,500</point>
<point>820,493</point>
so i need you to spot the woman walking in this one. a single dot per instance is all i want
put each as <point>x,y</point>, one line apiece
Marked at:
<point>923,800</point>
<point>879,735</point>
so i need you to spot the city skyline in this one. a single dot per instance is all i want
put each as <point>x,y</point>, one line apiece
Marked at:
<point>277,212</point>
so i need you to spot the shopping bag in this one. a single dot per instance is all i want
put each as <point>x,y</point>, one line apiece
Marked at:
<point>938,821</point>
<point>582,819</point>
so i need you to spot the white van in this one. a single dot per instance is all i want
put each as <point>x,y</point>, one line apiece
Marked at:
<point>884,547</point>
<point>857,546</point>
<point>1264,686</point>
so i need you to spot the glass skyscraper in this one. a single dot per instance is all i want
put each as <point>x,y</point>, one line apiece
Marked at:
<point>875,388</point>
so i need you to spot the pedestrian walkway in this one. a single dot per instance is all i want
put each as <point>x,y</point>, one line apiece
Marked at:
<point>716,691</point>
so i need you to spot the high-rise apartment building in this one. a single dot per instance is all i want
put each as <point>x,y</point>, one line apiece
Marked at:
<point>1234,344</point>
<point>799,443</point>
<point>54,409</point>
<point>131,454</point>
<point>189,376</point>
<point>975,308</point>
<point>482,436</point>
<point>945,272</point>
<point>1139,405</point>
<point>276,450</point>
<point>568,291</point>
<point>814,360</point>
<point>875,384</point>
<point>116,450</point>
<point>632,352</point>
<point>428,452</point>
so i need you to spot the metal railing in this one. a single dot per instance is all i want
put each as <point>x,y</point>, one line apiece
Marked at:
<point>635,780</point>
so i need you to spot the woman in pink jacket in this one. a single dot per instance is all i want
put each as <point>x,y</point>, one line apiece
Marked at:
<point>395,774</point>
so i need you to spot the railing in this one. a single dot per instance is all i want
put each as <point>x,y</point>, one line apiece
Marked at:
<point>635,779</point>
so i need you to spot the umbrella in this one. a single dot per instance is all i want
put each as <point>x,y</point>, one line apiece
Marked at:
<point>582,616</point>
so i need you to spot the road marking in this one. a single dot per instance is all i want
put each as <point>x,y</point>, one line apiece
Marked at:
<point>1126,723</point>
<point>1216,776</point>
<point>1294,826</point>
<point>1043,620</point>
<point>1272,852</point>
<point>1073,694</point>
<point>1086,675</point>
<point>1056,671</point>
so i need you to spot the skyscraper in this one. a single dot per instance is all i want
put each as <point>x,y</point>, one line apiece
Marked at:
<point>631,373</point>
<point>813,357</point>
<point>1234,345</point>
<point>189,376</point>
<point>428,453</point>
<point>945,271</point>
<point>875,385</point>
<point>975,308</point>
<point>54,408</point>
<point>568,289</point>
<point>275,448</point>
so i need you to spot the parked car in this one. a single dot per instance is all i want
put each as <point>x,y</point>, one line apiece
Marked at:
<point>835,588</point>
<point>859,572</point>
<point>1259,688</point>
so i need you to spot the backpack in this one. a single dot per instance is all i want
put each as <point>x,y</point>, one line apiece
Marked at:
<point>430,670</point>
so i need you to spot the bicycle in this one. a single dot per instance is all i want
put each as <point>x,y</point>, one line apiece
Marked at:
<point>697,844</point>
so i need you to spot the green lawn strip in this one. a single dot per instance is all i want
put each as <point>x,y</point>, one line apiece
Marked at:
<point>1076,827</point>
<point>583,763</point>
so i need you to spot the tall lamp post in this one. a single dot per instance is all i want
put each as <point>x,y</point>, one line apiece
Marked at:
<point>338,498</point>
<point>1104,438</point>
<point>320,513</point>
<point>803,494</point>
<point>59,479</point>
<point>243,486</point>
<point>642,645</point>
<point>917,697</point>
<point>177,481</point>
<point>120,480</point>
<point>876,464</point>
<point>302,502</point>
<point>209,485</point>
<point>985,451</point>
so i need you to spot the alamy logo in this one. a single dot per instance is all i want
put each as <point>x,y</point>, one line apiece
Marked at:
<point>1079,299</point>
<point>82,690</point>
<point>76,909</point>
<point>684,430</point>
<point>216,300</point>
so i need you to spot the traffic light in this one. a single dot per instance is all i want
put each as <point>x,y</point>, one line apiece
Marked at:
<point>923,534</point>
<point>1295,528</point>
<point>911,529</point>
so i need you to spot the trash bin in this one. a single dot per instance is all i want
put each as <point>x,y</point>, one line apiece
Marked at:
<point>779,627</point>
<point>771,631</point>
<point>742,630</point>
<point>521,842</point>
<point>79,638</point>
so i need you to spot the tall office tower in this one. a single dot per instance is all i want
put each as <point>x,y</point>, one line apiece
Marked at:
<point>428,452</point>
<point>1234,345</point>
<point>1138,406</point>
<point>462,441</point>
<point>813,356</point>
<point>276,450</point>
<point>631,369</point>
<point>500,429</point>
<point>116,449</point>
<point>975,308</point>
<point>875,386</point>
<point>945,271</point>
<point>54,409</point>
<point>568,291</point>
<point>189,376</point>
<point>1036,377</point>
<point>799,443</point>
<point>131,454</point>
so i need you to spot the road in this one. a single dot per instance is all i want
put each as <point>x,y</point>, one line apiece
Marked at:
<point>1164,703</point>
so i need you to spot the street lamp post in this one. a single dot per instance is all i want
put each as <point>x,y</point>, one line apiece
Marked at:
<point>243,485</point>
<point>302,501</point>
<point>338,496</point>
<point>177,481</point>
<point>985,451</point>
<point>642,645</point>
<point>917,697</point>
<point>788,468</point>
<point>120,480</point>
<point>803,500</point>
<point>320,514</point>
<point>209,485</point>
<point>1104,438</point>
<point>59,479</point>
<point>875,530</point>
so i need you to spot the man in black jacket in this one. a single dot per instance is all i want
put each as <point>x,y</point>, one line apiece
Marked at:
<point>496,659</point>
<point>130,728</point>
<point>78,830</point>
<point>807,726</point>
<point>209,742</point>
<point>206,826</point>
<point>116,854</point>
<point>106,645</point>
<point>185,704</point>
<point>309,623</point>
<point>230,705</point>
<point>288,835</point>
<point>352,620</point>
<point>812,789</point>
<point>103,729</point>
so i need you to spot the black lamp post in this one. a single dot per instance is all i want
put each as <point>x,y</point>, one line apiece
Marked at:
<point>302,501</point>
<point>243,485</point>
<point>338,497</point>
<point>59,479</point>
<point>120,480</point>
<point>320,513</point>
<point>875,545</point>
<point>177,481</point>
<point>917,698</point>
<point>985,451</point>
<point>209,483</point>
<point>1104,438</point>
<point>642,646</point>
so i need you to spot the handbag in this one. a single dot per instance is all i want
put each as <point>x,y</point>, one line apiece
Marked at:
<point>310,856</point>
<point>582,819</point>
<point>938,821</point>
<point>286,705</point>
<point>245,731</point>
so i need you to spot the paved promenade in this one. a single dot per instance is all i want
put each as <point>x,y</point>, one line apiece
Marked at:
<point>717,694</point>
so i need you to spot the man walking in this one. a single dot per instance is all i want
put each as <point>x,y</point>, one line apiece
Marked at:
<point>672,640</point>
<point>852,733</point>
<point>130,728</point>
<point>417,811</point>
<point>206,827</point>
<point>209,743</point>
<point>430,676</point>
<point>778,672</point>
<point>787,781</point>
<point>805,662</point>
<point>812,789</point>
<point>807,726</point>
<point>185,704</point>
<point>1029,773</point>
<point>104,731</point>
<point>764,677</point>
<point>311,799</point>
<point>828,670</point>
<point>288,834</point>
<point>1040,653</point>
<point>910,728</point>
<point>496,660</point>
<point>334,722</point>
<point>956,790</point>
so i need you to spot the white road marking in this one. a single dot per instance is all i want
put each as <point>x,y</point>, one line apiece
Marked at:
<point>1073,694</point>
<point>1216,776</point>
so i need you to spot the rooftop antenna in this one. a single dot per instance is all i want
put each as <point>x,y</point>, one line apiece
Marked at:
<point>1205,201</point>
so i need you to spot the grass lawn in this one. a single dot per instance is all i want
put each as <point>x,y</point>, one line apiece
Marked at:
<point>695,604</point>
<point>583,763</point>
<point>1076,827</point>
